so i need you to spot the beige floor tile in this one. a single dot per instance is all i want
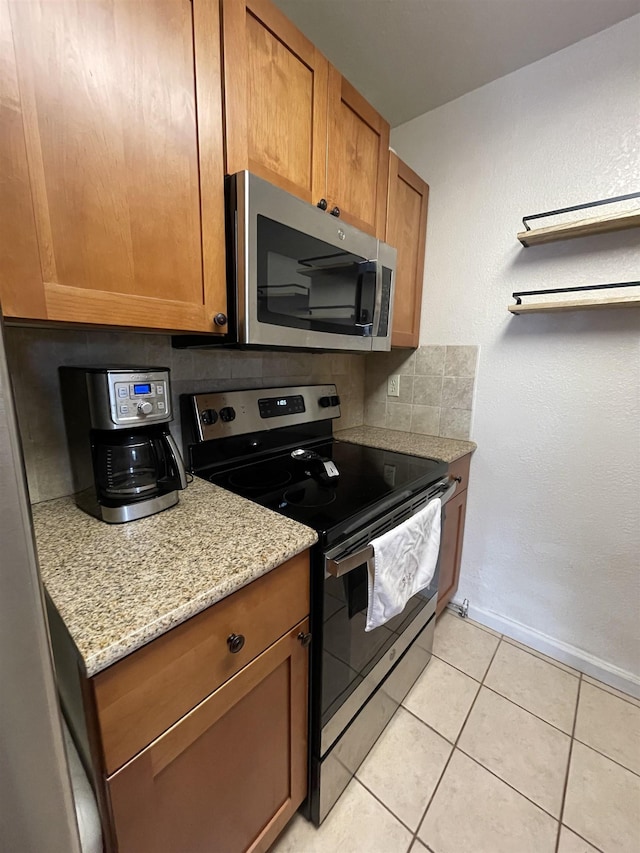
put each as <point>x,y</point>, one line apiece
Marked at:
<point>463,645</point>
<point>357,823</point>
<point>610,725</point>
<point>474,811</point>
<point>572,843</point>
<point>483,627</point>
<point>418,847</point>
<point>404,766</point>
<point>529,754</point>
<point>619,693</point>
<point>542,657</point>
<point>534,684</point>
<point>442,697</point>
<point>603,801</point>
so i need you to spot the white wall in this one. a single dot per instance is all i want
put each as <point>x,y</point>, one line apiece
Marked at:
<point>552,545</point>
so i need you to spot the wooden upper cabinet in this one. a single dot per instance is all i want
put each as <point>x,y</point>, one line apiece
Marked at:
<point>20,277</point>
<point>122,117</point>
<point>407,231</point>
<point>275,84</point>
<point>357,157</point>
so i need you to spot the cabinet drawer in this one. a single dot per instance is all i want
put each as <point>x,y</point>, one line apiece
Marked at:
<point>138,698</point>
<point>460,468</point>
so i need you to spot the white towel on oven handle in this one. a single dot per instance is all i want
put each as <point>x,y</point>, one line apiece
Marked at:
<point>405,561</point>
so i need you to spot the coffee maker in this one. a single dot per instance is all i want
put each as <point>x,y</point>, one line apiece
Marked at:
<point>125,462</point>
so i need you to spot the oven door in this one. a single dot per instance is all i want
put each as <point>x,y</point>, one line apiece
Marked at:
<point>355,662</point>
<point>305,279</point>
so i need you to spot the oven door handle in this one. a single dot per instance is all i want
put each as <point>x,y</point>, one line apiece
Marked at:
<point>448,486</point>
<point>341,567</point>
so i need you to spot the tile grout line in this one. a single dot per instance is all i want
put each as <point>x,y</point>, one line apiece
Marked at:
<point>604,755</point>
<point>444,769</point>
<point>570,670</point>
<point>598,849</point>
<point>566,775</point>
<point>606,688</point>
<point>508,784</point>
<point>522,708</point>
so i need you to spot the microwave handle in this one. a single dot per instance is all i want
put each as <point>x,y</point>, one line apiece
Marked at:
<point>177,459</point>
<point>338,568</point>
<point>368,328</point>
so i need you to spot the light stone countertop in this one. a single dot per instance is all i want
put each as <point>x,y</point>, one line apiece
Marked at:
<point>118,586</point>
<point>427,446</point>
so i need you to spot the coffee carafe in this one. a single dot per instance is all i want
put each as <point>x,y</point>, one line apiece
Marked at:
<point>124,460</point>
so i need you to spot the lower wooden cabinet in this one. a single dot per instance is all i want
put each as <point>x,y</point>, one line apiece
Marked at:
<point>453,535</point>
<point>230,774</point>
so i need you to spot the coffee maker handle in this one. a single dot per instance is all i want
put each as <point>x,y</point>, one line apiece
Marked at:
<point>177,459</point>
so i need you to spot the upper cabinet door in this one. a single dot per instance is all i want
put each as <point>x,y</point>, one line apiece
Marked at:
<point>407,231</point>
<point>122,114</point>
<point>275,84</point>
<point>21,292</point>
<point>357,157</point>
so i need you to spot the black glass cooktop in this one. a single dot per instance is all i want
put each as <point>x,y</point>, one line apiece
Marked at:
<point>369,482</point>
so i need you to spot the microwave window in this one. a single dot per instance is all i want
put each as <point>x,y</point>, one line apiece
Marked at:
<point>305,283</point>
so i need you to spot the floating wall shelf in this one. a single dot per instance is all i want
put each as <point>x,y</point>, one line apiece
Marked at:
<point>618,221</point>
<point>611,301</point>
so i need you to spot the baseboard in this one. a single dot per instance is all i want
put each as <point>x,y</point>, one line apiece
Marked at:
<point>556,649</point>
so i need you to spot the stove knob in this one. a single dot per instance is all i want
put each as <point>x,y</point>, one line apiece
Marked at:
<point>324,402</point>
<point>145,408</point>
<point>335,401</point>
<point>227,414</point>
<point>209,416</point>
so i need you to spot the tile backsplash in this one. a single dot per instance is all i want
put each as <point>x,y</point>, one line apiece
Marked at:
<point>436,386</point>
<point>436,390</point>
<point>35,354</point>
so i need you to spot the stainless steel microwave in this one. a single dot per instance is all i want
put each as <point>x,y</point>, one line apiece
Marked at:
<point>302,277</point>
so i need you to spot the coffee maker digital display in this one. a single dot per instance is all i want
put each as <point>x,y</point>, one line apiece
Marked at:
<point>125,462</point>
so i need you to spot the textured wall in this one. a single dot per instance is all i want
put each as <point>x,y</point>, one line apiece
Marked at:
<point>34,356</point>
<point>553,528</point>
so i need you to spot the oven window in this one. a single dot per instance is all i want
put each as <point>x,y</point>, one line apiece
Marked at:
<point>350,652</point>
<point>305,283</point>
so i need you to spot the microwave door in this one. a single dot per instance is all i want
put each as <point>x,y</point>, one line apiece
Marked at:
<point>385,289</point>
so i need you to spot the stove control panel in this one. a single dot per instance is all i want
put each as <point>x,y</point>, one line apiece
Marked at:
<point>227,413</point>
<point>275,407</point>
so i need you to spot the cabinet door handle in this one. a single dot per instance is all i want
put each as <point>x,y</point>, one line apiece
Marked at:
<point>305,639</point>
<point>235,643</point>
<point>335,211</point>
<point>322,204</point>
<point>220,319</point>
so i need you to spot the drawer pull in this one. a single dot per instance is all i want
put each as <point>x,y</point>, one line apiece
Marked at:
<point>235,643</point>
<point>305,639</point>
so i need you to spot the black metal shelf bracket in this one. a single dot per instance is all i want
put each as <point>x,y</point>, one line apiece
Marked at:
<point>527,219</point>
<point>518,296</point>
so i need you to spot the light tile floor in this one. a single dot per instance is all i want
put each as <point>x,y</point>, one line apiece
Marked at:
<point>497,749</point>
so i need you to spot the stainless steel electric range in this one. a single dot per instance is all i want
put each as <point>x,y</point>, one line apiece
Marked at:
<point>275,446</point>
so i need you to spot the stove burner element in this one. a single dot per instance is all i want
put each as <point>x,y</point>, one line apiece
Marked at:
<point>309,494</point>
<point>259,478</point>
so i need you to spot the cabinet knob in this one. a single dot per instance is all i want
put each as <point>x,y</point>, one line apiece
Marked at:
<point>335,211</point>
<point>322,204</point>
<point>235,643</point>
<point>220,319</point>
<point>305,639</point>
